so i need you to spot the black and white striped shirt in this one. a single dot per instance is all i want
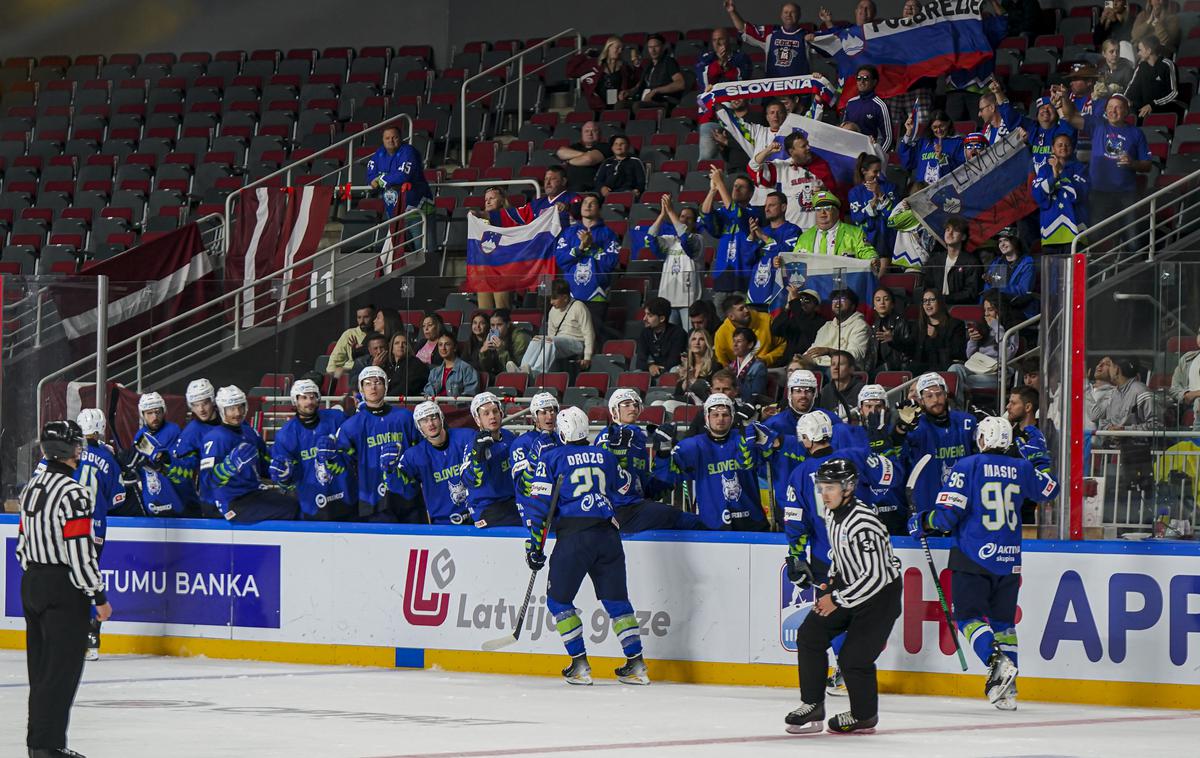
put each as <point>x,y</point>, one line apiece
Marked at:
<point>863,562</point>
<point>56,528</point>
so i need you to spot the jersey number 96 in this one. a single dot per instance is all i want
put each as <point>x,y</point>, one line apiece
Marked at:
<point>1000,505</point>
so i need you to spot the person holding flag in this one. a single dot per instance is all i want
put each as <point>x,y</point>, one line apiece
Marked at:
<point>829,235</point>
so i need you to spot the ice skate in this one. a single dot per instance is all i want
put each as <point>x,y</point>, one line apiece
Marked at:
<point>845,723</point>
<point>58,752</point>
<point>579,672</point>
<point>93,643</point>
<point>835,684</point>
<point>1001,673</point>
<point>807,719</point>
<point>1008,701</point>
<point>633,672</point>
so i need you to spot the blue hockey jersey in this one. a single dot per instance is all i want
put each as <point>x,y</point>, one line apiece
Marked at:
<point>588,271</point>
<point>736,252</point>
<point>488,476</point>
<point>362,437</point>
<point>946,444</point>
<point>590,480</point>
<point>185,459</point>
<point>219,475</point>
<point>980,504</point>
<point>766,281</point>
<point>926,163</point>
<point>523,454</point>
<point>439,473</point>
<point>725,476</point>
<point>316,486</point>
<point>401,167</point>
<point>168,488</point>
<point>633,462</point>
<point>100,473</point>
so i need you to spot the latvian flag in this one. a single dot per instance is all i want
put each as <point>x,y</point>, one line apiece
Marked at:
<point>275,228</point>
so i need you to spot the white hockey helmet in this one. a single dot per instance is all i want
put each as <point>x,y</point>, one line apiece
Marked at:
<point>816,426</point>
<point>426,409</point>
<point>151,401</point>
<point>304,387</point>
<point>543,401</point>
<point>230,397</point>
<point>572,425</point>
<point>993,433</point>
<point>929,381</point>
<point>872,392</point>
<point>802,378</point>
<point>199,389</point>
<point>91,421</point>
<point>372,372</point>
<point>482,399</point>
<point>620,396</point>
<point>715,400</point>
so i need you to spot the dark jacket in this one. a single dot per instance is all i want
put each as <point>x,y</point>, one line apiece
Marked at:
<point>591,75</point>
<point>622,175</point>
<point>894,355</point>
<point>664,349</point>
<point>938,352</point>
<point>828,400</point>
<point>407,377</point>
<point>966,276</point>
<point>798,329</point>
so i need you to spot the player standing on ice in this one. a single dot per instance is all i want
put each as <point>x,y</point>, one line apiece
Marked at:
<point>490,492</point>
<point>326,492</point>
<point>587,543</point>
<point>980,505</point>
<point>436,465</point>
<point>861,600</point>
<point>933,428</point>
<point>233,460</point>
<point>185,454</point>
<point>626,440</point>
<point>524,451</point>
<point>374,438</point>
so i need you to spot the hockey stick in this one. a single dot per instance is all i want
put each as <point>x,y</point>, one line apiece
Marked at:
<point>509,639</point>
<point>912,481</point>
<point>771,498</point>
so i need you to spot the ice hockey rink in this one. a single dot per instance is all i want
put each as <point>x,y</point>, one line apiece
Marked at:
<point>134,706</point>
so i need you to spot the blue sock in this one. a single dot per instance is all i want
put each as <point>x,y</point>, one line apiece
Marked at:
<point>1007,639</point>
<point>570,627</point>
<point>837,643</point>
<point>979,634</point>
<point>625,626</point>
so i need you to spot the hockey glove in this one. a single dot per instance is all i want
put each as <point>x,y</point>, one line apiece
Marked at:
<point>744,412</point>
<point>663,437</point>
<point>242,456</point>
<point>535,559</point>
<point>763,436</point>
<point>327,449</point>
<point>483,445</point>
<point>921,524</point>
<point>281,470</point>
<point>619,438</point>
<point>799,572</point>
<point>129,477</point>
<point>907,419</point>
<point>389,456</point>
<point>876,420</point>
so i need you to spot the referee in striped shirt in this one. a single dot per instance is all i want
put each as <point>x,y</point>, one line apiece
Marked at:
<point>61,582</point>
<point>861,600</point>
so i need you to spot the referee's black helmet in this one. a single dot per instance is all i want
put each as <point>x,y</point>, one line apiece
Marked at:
<point>61,440</point>
<point>838,471</point>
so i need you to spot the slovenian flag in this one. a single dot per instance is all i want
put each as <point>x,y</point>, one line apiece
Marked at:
<point>940,39</point>
<point>826,273</point>
<point>510,259</point>
<point>991,191</point>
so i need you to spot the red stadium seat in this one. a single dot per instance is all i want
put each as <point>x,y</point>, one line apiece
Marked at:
<point>517,380</point>
<point>967,313</point>
<point>593,379</point>
<point>890,379</point>
<point>554,380</point>
<point>621,347</point>
<point>685,414</point>
<point>598,414</point>
<point>638,380</point>
<point>653,414</point>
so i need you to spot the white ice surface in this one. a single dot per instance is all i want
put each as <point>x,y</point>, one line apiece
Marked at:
<point>135,706</point>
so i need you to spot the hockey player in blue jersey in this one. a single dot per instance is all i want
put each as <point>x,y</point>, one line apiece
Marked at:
<point>185,453</point>
<point>233,460</point>
<point>933,428</point>
<point>491,496</point>
<point>801,395</point>
<point>723,463</point>
<point>523,451</point>
<point>980,506</point>
<point>371,443</point>
<point>587,543</point>
<point>150,457</point>
<point>326,492</point>
<point>435,464</point>
<point>100,473</point>
<point>874,432</point>
<point>626,440</point>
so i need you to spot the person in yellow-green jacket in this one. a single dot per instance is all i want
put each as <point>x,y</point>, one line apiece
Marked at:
<point>832,236</point>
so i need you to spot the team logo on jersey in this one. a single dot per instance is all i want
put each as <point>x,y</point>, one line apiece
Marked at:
<point>987,551</point>
<point>794,605</point>
<point>382,489</point>
<point>762,274</point>
<point>583,272</point>
<point>731,251</point>
<point>390,197</point>
<point>676,264</point>
<point>421,609</point>
<point>458,493</point>
<point>489,241</point>
<point>731,488</point>
<point>153,483</point>
<point>323,475</point>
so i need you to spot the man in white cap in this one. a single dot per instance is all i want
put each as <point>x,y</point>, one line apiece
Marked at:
<point>635,511</point>
<point>523,452</point>
<point>325,492</point>
<point>371,442</point>
<point>933,429</point>
<point>233,464</point>
<point>185,453</point>
<point>491,495</point>
<point>435,464</point>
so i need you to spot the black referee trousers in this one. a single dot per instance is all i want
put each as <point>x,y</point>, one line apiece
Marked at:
<point>57,621</point>
<point>867,627</point>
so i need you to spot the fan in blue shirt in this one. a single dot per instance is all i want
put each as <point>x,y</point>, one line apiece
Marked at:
<point>397,171</point>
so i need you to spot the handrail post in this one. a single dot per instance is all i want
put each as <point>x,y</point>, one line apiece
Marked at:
<point>1153,226</point>
<point>101,339</point>
<point>138,376</point>
<point>237,320</point>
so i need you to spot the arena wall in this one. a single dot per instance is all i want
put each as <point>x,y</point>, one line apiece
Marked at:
<point>1100,622</point>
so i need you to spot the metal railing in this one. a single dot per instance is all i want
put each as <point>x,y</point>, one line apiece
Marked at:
<point>1133,508</point>
<point>1109,242</point>
<point>517,79</point>
<point>1004,354</point>
<point>217,326</point>
<point>346,144</point>
<point>35,316</point>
